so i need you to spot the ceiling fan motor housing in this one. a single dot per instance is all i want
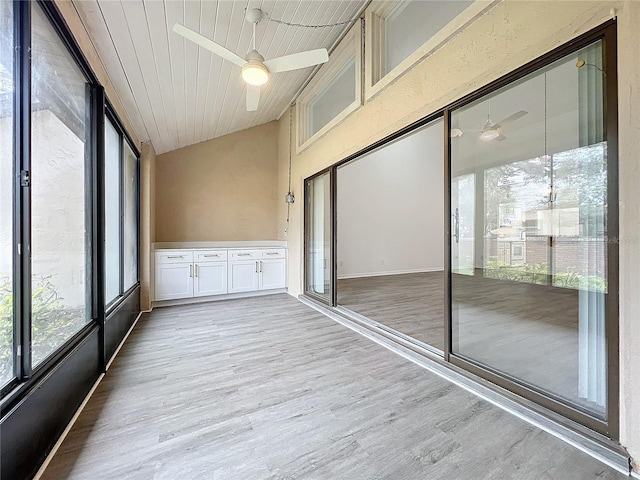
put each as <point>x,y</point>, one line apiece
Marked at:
<point>254,15</point>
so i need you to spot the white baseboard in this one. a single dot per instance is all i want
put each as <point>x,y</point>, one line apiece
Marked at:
<point>393,272</point>
<point>216,298</point>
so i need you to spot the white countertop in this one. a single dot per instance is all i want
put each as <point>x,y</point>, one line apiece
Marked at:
<point>220,244</point>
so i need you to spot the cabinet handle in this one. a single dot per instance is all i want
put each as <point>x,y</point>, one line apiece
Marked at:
<point>211,255</point>
<point>175,256</point>
<point>243,254</point>
<point>191,271</point>
<point>260,266</point>
<point>196,269</point>
<point>256,267</point>
<point>273,253</point>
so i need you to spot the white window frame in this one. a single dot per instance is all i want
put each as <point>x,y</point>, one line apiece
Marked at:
<point>350,48</point>
<point>375,16</point>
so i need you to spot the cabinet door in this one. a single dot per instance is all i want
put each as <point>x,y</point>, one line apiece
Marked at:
<point>174,280</point>
<point>243,276</point>
<point>272,274</point>
<point>210,279</point>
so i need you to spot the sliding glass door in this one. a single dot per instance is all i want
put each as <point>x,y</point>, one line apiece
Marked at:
<point>318,233</point>
<point>530,239</point>
<point>390,236</point>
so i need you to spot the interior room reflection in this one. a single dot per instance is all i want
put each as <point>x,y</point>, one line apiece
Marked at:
<point>529,246</point>
<point>390,235</point>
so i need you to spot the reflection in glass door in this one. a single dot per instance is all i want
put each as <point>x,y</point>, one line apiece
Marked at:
<point>318,270</point>
<point>463,210</point>
<point>528,298</point>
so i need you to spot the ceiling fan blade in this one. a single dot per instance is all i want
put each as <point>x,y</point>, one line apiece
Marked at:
<point>253,98</point>
<point>210,45</point>
<point>297,60</point>
<point>510,118</point>
<point>501,137</point>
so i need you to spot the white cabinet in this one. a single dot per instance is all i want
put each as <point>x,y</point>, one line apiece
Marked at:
<point>210,279</point>
<point>174,280</point>
<point>174,274</point>
<point>210,272</point>
<point>252,270</point>
<point>202,273</point>
<point>272,274</point>
<point>243,276</point>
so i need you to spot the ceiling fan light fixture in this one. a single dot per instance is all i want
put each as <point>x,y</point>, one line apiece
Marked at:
<point>489,134</point>
<point>255,74</point>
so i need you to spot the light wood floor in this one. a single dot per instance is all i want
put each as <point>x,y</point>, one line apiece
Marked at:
<point>529,332</point>
<point>267,388</point>
<point>411,303</point>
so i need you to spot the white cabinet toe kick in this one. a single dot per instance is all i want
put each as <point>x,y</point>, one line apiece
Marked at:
<point>191,275</point>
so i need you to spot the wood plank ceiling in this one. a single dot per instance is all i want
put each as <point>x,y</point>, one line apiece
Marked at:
<point>176,93</point>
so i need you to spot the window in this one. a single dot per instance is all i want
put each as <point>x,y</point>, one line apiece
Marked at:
<point>336,97</point>
<point>390,235</point>
<point>121,212</point>
<point>533,303</point>
<point>319,270</point>
<point>333,93</point>
<point>6,193</point>
<point>60,222</point>
<point>130,168</point>
<point>400,33</point>
<point>112,161</point>
<point>529,228</point>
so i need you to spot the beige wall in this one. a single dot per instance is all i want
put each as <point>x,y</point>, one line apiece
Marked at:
<point>508,36</point>
<point>222,189</point>
<point>147,222</point>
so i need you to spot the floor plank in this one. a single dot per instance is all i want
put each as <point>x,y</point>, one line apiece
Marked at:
<point>267,388</point>
<point>529,332</point>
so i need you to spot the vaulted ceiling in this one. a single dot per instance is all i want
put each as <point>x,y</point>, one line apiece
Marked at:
<point>176,93</point>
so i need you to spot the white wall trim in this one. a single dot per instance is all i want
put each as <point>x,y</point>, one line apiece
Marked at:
<point>393,272</point>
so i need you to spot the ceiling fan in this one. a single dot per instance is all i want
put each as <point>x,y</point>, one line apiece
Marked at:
<point>490,130</point>
<point>255,69</point>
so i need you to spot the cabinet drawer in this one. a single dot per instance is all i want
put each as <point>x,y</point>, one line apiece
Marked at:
<point>273,253</point>
<point>210,255</point>
<point>244,254</point>
<point>174,256</point>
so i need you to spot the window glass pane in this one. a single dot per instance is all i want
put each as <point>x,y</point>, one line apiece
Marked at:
<point>412,23</point>
<point>390,229</point>
<point>338,95</point>
<point>6,191</point>
<point>112,211</point>
<point>60,231</point>
<point>318,248</point>
<point>529,286</point>
<point>130,217</point>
